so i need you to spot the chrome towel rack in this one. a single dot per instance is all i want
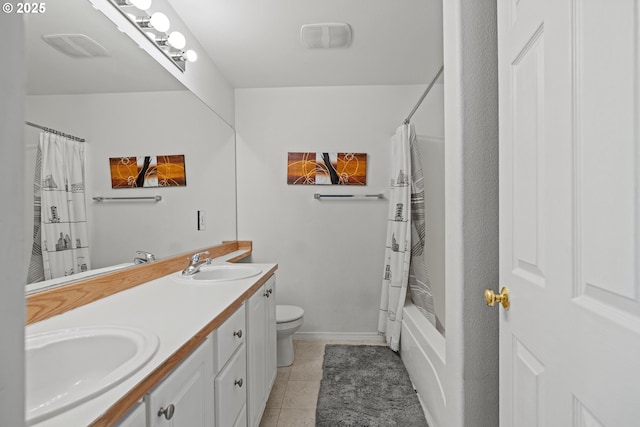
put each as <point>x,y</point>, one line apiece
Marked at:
<point>155,198</point>
<point>319,196</point>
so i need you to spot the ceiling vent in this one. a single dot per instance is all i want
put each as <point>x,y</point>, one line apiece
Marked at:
<point>326,36</point>
<point>76,45</point>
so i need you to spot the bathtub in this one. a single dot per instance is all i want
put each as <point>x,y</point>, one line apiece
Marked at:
<point>422,349</point>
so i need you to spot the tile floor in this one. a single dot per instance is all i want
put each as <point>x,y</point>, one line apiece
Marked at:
<point>293,398</point>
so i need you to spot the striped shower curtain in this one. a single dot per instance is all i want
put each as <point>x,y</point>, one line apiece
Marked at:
<point>404,265</point>
<point>60,246</point>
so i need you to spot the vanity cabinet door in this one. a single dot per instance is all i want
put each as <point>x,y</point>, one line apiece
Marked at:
<point>261,355</point>
<point>185,397</point>
<point>242,419</point>
<point>231,389</point>
<point>136,417</point>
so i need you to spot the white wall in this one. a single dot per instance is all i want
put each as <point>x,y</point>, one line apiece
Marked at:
<point>138,124</point>
<point>330,252</point>
<point>201,77</point>
<point>471,203</point>
<point>12,303</point>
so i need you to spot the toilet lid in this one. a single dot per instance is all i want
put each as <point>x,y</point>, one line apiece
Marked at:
<point>288,313</point>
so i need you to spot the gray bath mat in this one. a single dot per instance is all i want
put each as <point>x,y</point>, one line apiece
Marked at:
<point>366,386</point>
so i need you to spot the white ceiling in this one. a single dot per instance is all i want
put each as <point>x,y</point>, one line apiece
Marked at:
<point>256,43</point>
<point>129,69</point>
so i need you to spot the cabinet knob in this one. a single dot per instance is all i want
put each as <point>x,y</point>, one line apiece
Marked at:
<point>270,291</point>
<point>238,333</point>
<point>266,294</point>
<point>167,412</point>
<point>238,382</point>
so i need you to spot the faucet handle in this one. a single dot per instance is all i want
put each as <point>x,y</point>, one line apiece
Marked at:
<point>196,257</point>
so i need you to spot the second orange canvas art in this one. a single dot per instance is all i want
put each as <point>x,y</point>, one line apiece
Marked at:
<point>327,168</point>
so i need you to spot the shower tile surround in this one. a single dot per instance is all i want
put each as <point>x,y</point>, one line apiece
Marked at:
<point>293,398</point>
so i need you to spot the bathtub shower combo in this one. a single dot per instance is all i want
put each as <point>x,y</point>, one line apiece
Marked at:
<point>421,346</point>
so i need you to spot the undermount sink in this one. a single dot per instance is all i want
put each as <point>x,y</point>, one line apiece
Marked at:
<point>221,273</point>
<point>70,366</point>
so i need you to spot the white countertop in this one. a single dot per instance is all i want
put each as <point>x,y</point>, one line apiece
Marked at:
<point>172,310</point>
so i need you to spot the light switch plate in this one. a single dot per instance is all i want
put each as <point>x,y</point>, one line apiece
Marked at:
<point>202,223</point>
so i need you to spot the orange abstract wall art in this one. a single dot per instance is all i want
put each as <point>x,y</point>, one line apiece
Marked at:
<point>148,171</point>
<point>327,168</point>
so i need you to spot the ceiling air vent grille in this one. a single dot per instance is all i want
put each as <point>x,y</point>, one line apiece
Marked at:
<point>76,45</point>
<point>326,36</point>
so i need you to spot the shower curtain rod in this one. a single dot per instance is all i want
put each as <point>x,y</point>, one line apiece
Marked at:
<point>424,95</point>
<point>57,132</point>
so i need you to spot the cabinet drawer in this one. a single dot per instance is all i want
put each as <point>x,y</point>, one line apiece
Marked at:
<point>228,337</point>
<point>230,389</point>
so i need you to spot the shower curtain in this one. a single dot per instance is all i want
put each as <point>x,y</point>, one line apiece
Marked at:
<point>60,245</point>
<point>404,260</point>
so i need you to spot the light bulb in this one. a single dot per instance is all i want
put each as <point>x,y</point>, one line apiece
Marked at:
<point>159,21</point>
<point>191,55</point>
<point>141,4</point>
<point>177,40</point>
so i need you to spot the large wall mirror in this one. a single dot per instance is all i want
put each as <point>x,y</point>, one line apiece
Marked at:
<point>126,105</point>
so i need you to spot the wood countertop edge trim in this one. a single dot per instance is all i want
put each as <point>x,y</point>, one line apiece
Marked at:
<point>126,402</point>
<point>46,304</point>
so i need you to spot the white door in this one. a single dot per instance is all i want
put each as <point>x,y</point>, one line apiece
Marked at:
<point>569,74</point>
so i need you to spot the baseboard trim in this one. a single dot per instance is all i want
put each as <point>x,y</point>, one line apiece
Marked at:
<point>337,336</point>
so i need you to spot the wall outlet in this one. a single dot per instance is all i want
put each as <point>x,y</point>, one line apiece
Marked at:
<point>202,223</point>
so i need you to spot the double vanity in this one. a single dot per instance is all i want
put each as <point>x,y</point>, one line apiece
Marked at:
<point>151,347</point>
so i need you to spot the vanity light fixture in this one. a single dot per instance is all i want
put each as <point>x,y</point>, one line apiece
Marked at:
<point>160,22</point>
<point>140,4</point>
<point>177,40</point>
<point>155,27</point>
<point>157,21</point>
<point>189,55</point>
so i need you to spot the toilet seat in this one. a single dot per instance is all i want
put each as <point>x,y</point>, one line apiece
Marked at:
<point>288,313</point>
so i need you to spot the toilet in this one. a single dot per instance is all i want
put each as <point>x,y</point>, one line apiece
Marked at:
<point>289,318</point>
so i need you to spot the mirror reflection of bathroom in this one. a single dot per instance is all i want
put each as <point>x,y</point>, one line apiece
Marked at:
<point>91,88</point>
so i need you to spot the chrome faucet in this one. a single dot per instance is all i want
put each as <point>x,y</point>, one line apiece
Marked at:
<point>195,263</point>
<point>143,257</point>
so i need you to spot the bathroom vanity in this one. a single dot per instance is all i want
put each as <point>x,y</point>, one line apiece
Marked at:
<point>215,361</point>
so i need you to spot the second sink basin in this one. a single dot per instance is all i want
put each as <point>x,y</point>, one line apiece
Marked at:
<point>221,273</point>
<point>70,366</point>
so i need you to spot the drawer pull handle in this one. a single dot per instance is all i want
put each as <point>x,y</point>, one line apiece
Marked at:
<point>238,382</point>
<point>238,334</point>
<point>167,412</point>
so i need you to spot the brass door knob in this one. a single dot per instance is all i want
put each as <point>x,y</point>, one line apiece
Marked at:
<point>502,297</point>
